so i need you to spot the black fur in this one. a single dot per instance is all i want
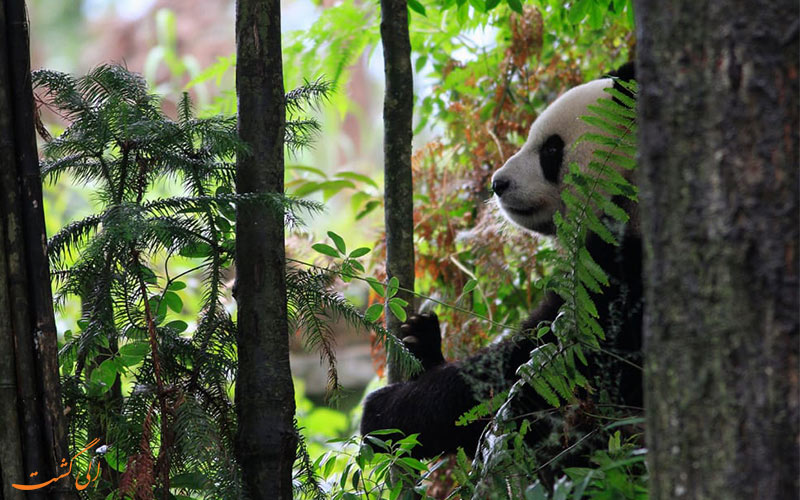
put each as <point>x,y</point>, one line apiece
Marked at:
<point>551,155</point>
<point>431,404</point>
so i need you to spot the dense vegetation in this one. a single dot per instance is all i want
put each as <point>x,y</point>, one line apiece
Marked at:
<point>140,376</point>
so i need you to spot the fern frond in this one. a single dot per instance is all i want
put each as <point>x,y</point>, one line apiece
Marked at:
<point>309,95</point>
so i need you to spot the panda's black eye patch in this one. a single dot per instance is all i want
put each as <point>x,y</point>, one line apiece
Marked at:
<point>550,156</point>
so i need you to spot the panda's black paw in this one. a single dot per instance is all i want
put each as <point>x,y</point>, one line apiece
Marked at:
<point>422,336</point>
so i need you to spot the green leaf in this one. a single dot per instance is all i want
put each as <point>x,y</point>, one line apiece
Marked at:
<point>365,451</point>
<point>491,4</point>
<point>392,287</point>
<point>397,309</point>
<point>377,286</point>
<point>625,99</point>
<point>306,188</point>
<point>413,463</point>
<point>369,207</point>
<point>516,5</point>
<point>196,250</point>
<point>338,241</point>
<point>176,285</point>
<point>584,300</point>
<point>621,120</point>
<point>400,301</point>
<point>478,5</point>
<point>330,188</point>
<point>356,265</point>
<point>139,349</point>
<point>116,458</point>
<point>305,168</point>
<point>421,61</point>
<point>417,7</point>
<point>462,15</point>
<point>359,252</point>
<point>602,124</point>
<point>325,249</point>
<point>469,286</point>
<point>177,326</point>
<point>373,312</point>
<point>544,390</point>
<point>357,177</point>
<point>394,494</point>
<point>173,301</point>
<point>380,443</point>
<point>102,377</point>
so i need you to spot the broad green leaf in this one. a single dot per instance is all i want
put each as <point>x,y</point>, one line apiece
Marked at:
<point>304,168</point>
<point>413,463</point>
<point>173,301</point>
<point>102,377</point>
<point>359,252</point>
<point>392,287</point>
<point>357,177</point>
<point>338,241</point>
<point>516,5</point>
<point>397,309</point>
<point>417,7</point>
<point>398,300</point>
<point>376,285</point>
<point>177,326</point>
<point>176,285</point>
<point>420,62</point>
<point>325,249</point>
<point>373,312</point>
<point>196,250</point>
<point>369,207</point>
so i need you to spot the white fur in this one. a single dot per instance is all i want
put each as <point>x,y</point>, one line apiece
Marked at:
<point>530,201</point>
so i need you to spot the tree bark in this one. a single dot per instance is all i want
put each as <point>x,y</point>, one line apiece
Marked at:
<point>266,442</point>
<point>398,105</point>
<point>29,323</point>
<point>719,163</point>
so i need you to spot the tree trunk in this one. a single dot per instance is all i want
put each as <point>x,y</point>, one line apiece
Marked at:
<point>266,442</point>
<point>26,298</point>
<point>719,168</point>
<point>398,105</point>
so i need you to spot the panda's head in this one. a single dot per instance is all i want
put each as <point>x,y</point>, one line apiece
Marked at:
<point>528,186</point>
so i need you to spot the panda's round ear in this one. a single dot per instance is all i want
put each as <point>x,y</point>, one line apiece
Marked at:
<point>626,72</point>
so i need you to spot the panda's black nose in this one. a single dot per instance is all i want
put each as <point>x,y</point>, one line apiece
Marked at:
<point>499,185</point>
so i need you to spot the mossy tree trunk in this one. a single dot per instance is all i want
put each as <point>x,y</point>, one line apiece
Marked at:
<point>266,442</point>
<point>719,175</point>
<point>398,105</point>
<point>32,430</point>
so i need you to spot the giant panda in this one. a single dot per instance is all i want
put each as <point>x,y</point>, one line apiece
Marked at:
<point>527,189</point>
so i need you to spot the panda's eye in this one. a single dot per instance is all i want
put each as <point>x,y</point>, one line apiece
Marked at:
<point>550,156</point>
